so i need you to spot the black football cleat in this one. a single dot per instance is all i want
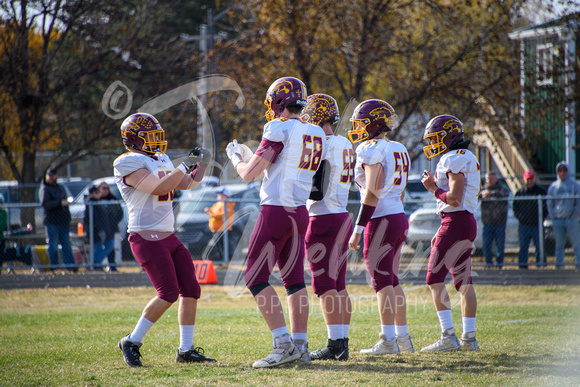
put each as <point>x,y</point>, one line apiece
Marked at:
<point>334,350</point>
<point>130,352</point>
<point>194,355</point>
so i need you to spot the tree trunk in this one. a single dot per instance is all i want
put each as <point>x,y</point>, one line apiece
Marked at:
<point>28,191</point>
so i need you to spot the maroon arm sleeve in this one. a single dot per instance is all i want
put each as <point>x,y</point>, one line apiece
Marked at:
<point>269,150</point>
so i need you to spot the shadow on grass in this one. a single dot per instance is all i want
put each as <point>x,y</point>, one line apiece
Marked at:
<point>468,363</point>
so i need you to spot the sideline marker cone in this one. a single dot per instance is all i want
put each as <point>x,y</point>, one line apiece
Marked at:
<point>205,273</point>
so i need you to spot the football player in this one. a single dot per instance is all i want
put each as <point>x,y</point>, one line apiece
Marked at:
<point>455,185</point>
<point>289,155</point>
<point>381,172</point>
<point>147,181</point>
<point>330,227</point>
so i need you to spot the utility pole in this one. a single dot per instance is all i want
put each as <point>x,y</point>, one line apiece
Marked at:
<point>203,89</point>
<point>202,38</point>
<point>206,37</point>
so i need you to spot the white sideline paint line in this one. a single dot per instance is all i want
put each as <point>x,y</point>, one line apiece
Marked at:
<point>523,320</point>
<point>363,297</point>
<point>414,287</point>
<point>373,296</point>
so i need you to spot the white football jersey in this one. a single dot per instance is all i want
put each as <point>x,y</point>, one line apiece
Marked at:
<point>288,181</point>
<point>396,163</point>
<point>459,161</point>
<point>146,211</point>
<point>341,159</point>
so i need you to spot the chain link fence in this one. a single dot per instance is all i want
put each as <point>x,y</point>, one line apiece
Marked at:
<point>26,239</point>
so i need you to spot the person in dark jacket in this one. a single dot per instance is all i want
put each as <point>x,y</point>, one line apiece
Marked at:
<point>57,219</point>
<point>97,228</point>
<point>114,216</point>
<point>527,214</point>
<point>494,218</point>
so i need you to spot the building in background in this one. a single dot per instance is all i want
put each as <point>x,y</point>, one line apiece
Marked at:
<point>550,90</point>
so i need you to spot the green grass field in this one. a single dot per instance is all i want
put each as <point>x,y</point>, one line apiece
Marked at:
<point>527,335</point>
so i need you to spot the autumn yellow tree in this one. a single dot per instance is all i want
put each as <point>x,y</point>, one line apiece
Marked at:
<point>57,58</point>
<point>423,57</point>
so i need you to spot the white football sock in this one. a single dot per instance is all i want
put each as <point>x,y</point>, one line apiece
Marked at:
<point>334,331</point>
<point>141,329</point>
<point>445,319</point>
<point>468,324</point>
<point>388,331</point>
<point>345,328</point>
<point>279,332</point>
<point>186,337</point>
<point>401,330</point>
<point>299,336</point>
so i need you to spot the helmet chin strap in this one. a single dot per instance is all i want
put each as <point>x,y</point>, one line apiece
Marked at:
<point>459,143</point>
<point>150,153</point>
<point>376,134</point>
<point>282,107</point>
<point>457,140</point>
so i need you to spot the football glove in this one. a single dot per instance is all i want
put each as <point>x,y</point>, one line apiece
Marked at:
<point>203,154</point>
<point>199,156</point>
<point>246,153</point>
<point>234,152</point>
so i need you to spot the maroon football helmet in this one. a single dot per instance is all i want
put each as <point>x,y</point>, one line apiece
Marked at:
<point>284,92</point>
<point>371,118</point>
<point>320,109</point>
<point>142,131</point>
<point>441,133</point>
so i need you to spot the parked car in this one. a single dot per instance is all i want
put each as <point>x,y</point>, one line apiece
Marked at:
<point>411,203</point>
<point>78,206</point>
<point>12,192</point>
<point>9,190</point>
<point>416,195</point>
<point>77,210</point>
<point>74,184</point>
<point>424,223</point>
<point>416,189</point>
<point>192,223</point>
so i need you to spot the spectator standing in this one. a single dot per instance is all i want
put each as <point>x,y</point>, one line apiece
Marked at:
<point>216,222</point>
<point>526,212</point>
<point>114,216</point>
<point>564,210</point>
<point>56,219</point>
<point>96,229</point>
<point>146,179</point>
<point>217,210</point>
<point>494,218</point>
<point>289,155</point>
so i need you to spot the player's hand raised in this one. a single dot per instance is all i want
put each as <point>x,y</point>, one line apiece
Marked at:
<point>235,151</point>
<point>429,182</point>
<point>195,156</point>
<point>246,153</point>
<point>203,156</point>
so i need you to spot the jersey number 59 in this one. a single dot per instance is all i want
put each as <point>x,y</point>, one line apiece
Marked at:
<point>401,166</point>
